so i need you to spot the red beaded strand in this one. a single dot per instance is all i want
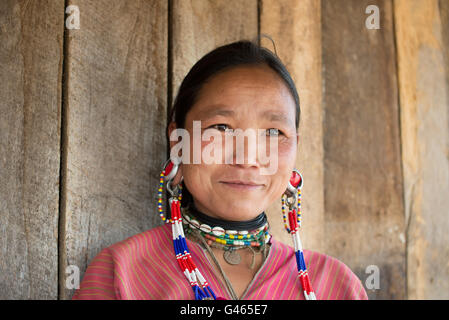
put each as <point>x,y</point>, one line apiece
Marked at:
<point>199,284</point>
<point>294,219</point>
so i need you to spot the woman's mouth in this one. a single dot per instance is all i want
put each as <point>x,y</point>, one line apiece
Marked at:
<point>242,185</point>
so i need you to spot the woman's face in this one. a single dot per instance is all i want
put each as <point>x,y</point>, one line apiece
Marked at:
<point>245,97</point>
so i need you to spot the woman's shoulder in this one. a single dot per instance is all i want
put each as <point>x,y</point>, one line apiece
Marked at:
<point>331,278</point>
<point>112,271</point>
<point>149,240</point>
<point>316,258</point>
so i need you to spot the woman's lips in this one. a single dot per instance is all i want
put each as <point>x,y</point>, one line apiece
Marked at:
<point>243,186</point>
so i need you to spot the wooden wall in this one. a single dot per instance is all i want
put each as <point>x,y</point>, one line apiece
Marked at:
<point>423,70</point>
<point>83,115</point>
<point>31,59</point>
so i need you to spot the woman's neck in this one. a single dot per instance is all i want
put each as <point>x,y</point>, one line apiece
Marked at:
<point>251,224</point>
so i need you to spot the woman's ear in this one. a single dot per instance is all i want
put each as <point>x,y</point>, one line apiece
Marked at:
<point>178,176</point>
<point>171,127</point>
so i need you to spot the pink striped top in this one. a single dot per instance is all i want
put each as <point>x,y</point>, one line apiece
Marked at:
<point>144,267</point>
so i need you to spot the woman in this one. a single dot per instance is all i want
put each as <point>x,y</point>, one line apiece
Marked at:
<point>217,244</point>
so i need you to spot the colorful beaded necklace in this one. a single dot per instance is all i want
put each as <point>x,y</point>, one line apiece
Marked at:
<point>229,240</point>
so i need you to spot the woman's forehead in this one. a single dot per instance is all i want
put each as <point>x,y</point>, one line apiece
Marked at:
<point>259,77</point>
<point>242,89</point>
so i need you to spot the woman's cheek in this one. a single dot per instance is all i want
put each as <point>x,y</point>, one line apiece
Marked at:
<point>194,178</point>
<point>210,150</point>
<point>287,151</point>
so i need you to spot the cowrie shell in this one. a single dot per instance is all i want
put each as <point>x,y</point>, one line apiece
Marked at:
<point>231,231</point>
<point>218,231</point>
<point>206,228</point>
<point>195,223</point>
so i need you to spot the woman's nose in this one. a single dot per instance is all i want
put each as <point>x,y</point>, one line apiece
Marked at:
<point>243,151</point>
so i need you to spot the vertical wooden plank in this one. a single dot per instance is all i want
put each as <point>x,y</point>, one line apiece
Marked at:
<point>362,156</point>
<point>31,37</point>
<point>295,27</point>
<point>201,26</point>
<point>444,16</point>
<point>116,117</point>
<point>424,98</point>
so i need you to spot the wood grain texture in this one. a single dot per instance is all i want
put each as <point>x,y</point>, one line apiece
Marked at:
<point>31,38</point>
<point>115,136</point>
<point>201,26</point>
<point>295,27</point>
<point>364,220</point>
<point>424,95</point>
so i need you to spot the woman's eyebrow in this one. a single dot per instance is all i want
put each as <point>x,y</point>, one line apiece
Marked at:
<point>217,110</point>
<point>276,116</point>
<point>222,110</point>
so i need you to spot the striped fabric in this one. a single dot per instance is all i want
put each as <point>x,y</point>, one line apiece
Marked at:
<point>144,267</point>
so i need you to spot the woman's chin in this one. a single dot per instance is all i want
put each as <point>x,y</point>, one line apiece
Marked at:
<point>239,217</point>
<point>239,213</point>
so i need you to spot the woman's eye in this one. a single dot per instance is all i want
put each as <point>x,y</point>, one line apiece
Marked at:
<point>221,127</point>
<point>273,132</point>
<point>224,127</point>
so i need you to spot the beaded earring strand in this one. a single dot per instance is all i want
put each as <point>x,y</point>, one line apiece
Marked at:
<point>294,219</point>
<point>199,284</point>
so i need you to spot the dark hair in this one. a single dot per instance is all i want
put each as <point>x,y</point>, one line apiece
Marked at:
<point>243,52</point>
<point>239,53</point>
